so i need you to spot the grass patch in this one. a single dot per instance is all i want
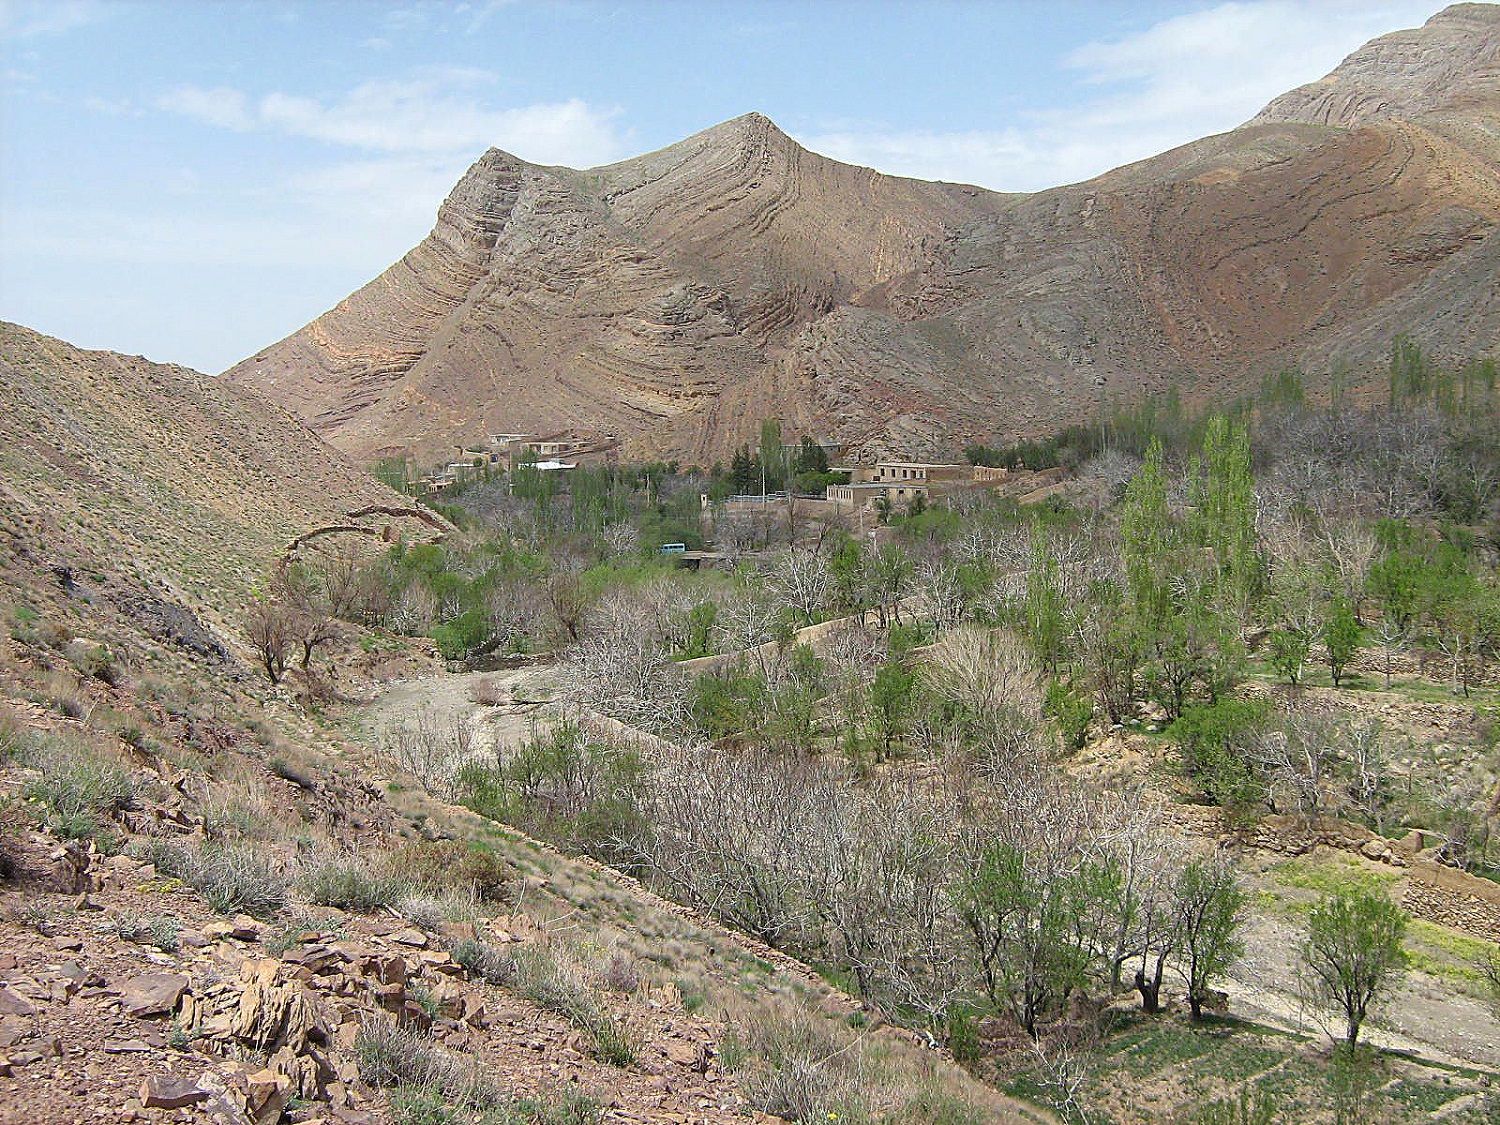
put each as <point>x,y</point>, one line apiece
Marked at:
<point>1333,874</point>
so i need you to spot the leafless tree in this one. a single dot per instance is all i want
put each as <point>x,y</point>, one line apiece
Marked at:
<point>991,676</point>
<point>621,668</point>
<point>271,627</point>
<point>1297,757</point>
<point>749,620</point>
<point>431,748</point>
<point>621,539</point>
<point>799,578</point>
<point>566,600</point>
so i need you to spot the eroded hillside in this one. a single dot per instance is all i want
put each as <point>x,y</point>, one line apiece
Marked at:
<point>675,299</point>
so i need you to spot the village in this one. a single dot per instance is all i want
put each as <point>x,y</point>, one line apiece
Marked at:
<point>868,494</point>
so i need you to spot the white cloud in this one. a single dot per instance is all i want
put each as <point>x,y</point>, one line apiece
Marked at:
<point>443,112</point>
<point>221,106</point>
<point>1182,78</point>
<point>26,19</point>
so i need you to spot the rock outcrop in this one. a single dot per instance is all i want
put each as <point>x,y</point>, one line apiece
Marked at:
<point>676,299</point>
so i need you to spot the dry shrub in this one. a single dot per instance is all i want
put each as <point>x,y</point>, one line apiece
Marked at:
<point>489,691</point>
<point>246,809</point>
<point>392,1055</point>
<point>454,866</point>
<point>795,1067</point>
<point>64,694</point>
<point>232,878</point>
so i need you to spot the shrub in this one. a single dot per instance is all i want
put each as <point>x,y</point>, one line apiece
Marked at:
<point>391,1055</point>
<point>429,911</point>
<point>350,884</point>
<point>796,1069</point>
<point>231,877</point>
<point>15,737</point>
<point>451,865</point>
<point>77,785</point>
<point>1071,710</point>
<point>160,930</point>
<point>556,983</point>
<point>485,961</point>
<point>963,1033</point>
<point>94,661</point>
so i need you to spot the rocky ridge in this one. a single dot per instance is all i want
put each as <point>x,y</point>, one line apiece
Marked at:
<point>677,298</point>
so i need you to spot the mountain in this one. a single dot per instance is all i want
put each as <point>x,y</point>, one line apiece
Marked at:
<point>154,493</point>
<point>677,298</point>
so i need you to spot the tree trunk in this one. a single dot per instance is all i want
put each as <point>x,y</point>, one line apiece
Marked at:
<point>1150,991</point>
<point>1195,1004</point>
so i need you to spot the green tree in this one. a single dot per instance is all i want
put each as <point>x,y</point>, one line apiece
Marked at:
<point>1147,536</point>
<point>811,457</point>
<point>891,698</point>
<point>1394,582</point>
<point>1209,908</point>
<point>1223,507</point>
<point>775,462</point>
<point>1023,923</point>
<point>1288,649</point>
<point>744,472</point>
<point>846,567</point>
<point>1353,952</point>
<point>1046,609</point>
<point>1072,710</point>
<point>1342,636</point>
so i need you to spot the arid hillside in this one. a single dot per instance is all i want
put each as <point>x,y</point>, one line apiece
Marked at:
<point>152,489</point>
<point>677,298</point>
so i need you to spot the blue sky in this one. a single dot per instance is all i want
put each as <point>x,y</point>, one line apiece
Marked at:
<point>193,180</point>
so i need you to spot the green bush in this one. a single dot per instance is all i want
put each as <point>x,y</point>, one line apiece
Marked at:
<point>77,785</point>
<point>1072,710</point>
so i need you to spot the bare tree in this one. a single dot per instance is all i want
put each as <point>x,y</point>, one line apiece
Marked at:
<point>990,676</point>
<point>271,627</point>
<point>432,748</point>
<point>800,579</point>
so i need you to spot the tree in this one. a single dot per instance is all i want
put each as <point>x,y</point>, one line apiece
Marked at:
<point>744,471</point>
<point>1223,495</point>
<point>1353,952</point>
<point>1341,637</point>
<point>1020,920</point>
<point>1209,904</point>
<point>1289,649</point>
<point>1047,623</point>
<point>891,696</point>
<point>567,601</point>
<point>271,627</point>
<point>1146,536</point>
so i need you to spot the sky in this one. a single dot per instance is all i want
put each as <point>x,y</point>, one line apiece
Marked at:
<point>193,180</point>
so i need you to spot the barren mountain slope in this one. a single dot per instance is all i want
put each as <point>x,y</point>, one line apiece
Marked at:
<point>154,486</point>
<point>677,298</point>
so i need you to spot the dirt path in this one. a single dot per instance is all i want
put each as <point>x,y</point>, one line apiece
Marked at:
<point>519,697</point>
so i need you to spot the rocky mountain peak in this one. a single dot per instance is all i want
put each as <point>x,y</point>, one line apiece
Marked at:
<point>1451,62</point>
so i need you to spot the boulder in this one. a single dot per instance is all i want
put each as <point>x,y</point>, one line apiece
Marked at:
<point>166,1091</point>
<point>152,994</point>
<point>13,1004</point>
